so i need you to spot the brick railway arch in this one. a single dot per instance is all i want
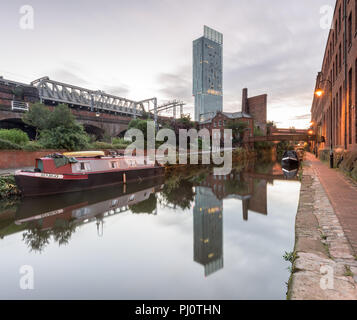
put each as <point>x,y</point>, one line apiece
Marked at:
<point>94,130</point>
<point>17,123</point>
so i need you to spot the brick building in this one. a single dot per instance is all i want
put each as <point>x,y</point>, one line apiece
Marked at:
<point>335,122</point>
<point>257,108</point>
<point>221,120</point>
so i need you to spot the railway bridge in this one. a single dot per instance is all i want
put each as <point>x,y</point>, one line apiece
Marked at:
<point>99,112</point>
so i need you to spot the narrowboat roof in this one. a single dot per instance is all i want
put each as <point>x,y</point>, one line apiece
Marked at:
<point>84,154</point>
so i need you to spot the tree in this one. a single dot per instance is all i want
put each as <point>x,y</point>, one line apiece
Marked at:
<point>37,117</point>
<point>238,128</point>
<point>57,129</point>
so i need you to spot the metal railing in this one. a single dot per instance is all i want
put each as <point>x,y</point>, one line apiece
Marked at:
<point>19,106</point>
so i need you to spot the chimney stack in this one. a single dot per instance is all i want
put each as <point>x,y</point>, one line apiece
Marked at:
<point>245,100</point>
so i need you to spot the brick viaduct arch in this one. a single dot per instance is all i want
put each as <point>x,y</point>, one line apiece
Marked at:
<point>104,124</point>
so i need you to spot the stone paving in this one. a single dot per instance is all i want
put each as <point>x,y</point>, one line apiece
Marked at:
<point>342,193</point>
<point>325,265</point>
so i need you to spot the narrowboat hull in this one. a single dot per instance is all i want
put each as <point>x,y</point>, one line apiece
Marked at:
<point>39,184</point>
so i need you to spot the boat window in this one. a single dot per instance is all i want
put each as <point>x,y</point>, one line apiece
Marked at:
<point>40,165</point>
<point>114,164</point>
<point>84,166</point>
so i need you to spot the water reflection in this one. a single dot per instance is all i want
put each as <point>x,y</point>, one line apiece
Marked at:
<point>58,216</point>
<point>197,192</point>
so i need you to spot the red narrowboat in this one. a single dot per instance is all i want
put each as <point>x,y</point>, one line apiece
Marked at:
<point>78,171</point>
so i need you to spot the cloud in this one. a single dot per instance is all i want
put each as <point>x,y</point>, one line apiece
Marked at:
<point>121,91</point>
<point>302,117</point>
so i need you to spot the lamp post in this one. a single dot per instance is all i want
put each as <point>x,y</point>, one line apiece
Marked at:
<point>319,93</point>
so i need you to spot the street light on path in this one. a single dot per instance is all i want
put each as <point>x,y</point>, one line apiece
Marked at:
<point>319,93</point>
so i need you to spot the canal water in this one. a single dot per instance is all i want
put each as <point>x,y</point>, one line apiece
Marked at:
<point>190,235</point>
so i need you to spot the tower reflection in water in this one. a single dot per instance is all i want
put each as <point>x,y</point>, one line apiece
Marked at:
<point>60,216</point>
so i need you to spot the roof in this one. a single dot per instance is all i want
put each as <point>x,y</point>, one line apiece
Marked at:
<point>230,115</point>
<point>236,115</point>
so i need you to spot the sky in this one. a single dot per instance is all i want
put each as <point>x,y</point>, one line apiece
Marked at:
<point>141,49</point>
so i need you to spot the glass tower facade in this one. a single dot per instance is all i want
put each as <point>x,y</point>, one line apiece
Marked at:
<point>208,230</point>
<point>207,74</point>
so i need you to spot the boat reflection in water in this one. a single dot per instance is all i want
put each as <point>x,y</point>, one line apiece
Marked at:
<point>290,171</point>
<point>65,212</point>
<point>59,216</point>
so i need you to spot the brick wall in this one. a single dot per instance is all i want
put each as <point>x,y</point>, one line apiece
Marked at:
<point>337,120</point>
<point>10,159</point>
<point>257,107</point>
<point>220,121</point>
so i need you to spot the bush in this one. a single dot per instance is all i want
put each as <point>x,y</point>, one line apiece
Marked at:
<point>120,146</point>
<point>70,138</point>
<point>58,129</point>
<point>32,146</point>
<point>98,145</point>
<point>120,141</point>
<point>14,135</point>
<point>8,187</point>
<point>7,145</point>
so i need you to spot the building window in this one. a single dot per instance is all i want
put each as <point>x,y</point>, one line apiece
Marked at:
<point>339,19</point>
<point>356,15</point>
<point>355,100</point>
<point>350,30</point>
<point>350,106</point>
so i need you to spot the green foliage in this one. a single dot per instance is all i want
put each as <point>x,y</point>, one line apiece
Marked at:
<point>146,206</point>
<point>283,146</point>
<point>185,121</point>
<point>7,145</point>
<point>37,117</point>
<point>69,138</point>
<point>140,125</point>
<point>119,146</point>
<point>58,129</point>
<point>290,256</point>
<point>8,187</point>
<point>99,145</point>
<point>32,146</point>
<point>238,128</point>
<point>120,141</point>
<point>14,135</point>
<point>261,145</point>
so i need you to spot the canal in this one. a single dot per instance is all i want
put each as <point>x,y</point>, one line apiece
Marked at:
<point>190,235</point>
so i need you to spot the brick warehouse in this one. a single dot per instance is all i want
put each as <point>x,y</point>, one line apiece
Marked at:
<point>336,122</point>
<point>257,108</point>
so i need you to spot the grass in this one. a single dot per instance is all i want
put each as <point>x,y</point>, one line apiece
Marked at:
<point>348,272</point>
<point>290,256</point>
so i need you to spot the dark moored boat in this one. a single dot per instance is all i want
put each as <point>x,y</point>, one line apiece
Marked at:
<point>290,158</point>
<point>77,171</point>
<point>290,172</point>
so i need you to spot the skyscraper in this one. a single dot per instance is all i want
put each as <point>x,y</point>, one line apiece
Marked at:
<point>207,74</point>
<point>208,230</point>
